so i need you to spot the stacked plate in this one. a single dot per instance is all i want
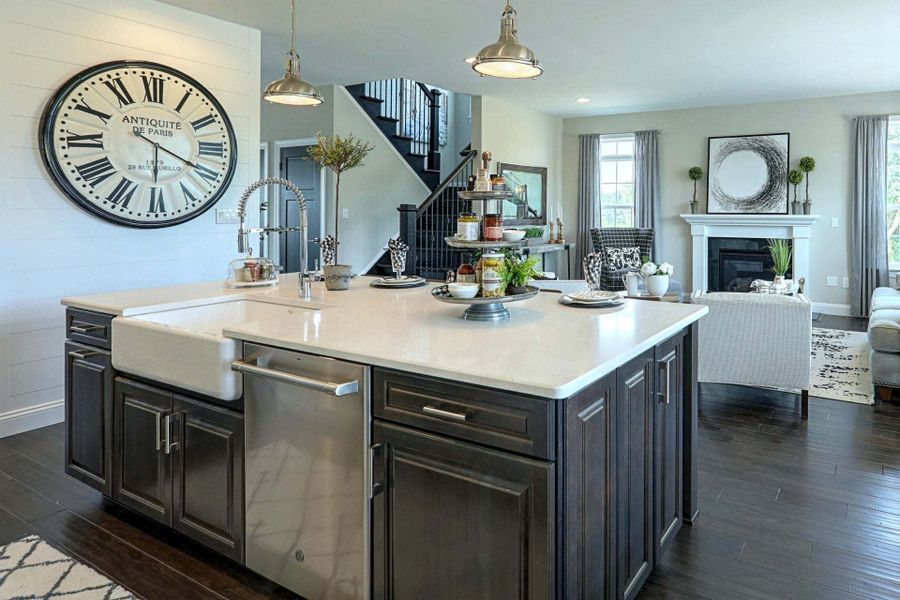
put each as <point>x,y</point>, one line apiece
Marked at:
<point>404,281</point>
<point>592,299</point>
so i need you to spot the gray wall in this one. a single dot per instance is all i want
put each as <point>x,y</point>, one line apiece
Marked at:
<point>820,127</point>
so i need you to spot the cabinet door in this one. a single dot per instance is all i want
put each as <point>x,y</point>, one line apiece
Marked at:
<point>634,474</point>
<point>89,400</point>
<point>454,520</point>
<point>142,471</point>
<point>667,443</point>
<point>208,451</point>
<point>590,455</point>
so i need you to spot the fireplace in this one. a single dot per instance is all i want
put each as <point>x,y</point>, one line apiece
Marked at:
<point>744,229</point>
<point>734,263</point>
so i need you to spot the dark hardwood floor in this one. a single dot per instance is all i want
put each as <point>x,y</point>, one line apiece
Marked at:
<point>789,509</point>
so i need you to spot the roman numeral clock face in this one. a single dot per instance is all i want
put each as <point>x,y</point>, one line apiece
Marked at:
<point>139,144</point>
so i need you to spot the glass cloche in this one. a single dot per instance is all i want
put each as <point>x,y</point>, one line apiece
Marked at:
<point>251,271</point>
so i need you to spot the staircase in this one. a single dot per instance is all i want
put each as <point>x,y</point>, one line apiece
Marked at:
<point>407,112</point>
<point>424,227</point>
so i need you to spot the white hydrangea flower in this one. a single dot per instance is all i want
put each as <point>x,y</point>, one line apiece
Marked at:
<point>666,269</point>
<point>649,268</point>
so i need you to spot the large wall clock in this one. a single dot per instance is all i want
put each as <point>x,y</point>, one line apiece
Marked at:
<point>138,143</point>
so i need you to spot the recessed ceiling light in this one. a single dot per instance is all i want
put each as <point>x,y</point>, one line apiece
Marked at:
<point>471,60</point>
<point>583,100</point>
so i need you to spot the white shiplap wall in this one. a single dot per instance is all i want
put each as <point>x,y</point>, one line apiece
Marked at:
<point>49,247</point>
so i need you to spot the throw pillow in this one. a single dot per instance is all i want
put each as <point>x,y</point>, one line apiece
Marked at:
<point>628,257</point>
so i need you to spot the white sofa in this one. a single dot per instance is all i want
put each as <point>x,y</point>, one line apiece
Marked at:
<point>761,340</point>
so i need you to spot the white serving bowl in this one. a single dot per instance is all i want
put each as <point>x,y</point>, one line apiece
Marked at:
<point>463,290</point>
<point>513,235</point>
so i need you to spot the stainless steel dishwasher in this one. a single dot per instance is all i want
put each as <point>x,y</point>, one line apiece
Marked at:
<point>307,472</point>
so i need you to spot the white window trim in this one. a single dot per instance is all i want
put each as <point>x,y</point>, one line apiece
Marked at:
<point>894,267</point>
<point>617,137</point>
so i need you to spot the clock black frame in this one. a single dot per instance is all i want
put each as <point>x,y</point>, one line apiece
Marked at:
<point>51,162</point>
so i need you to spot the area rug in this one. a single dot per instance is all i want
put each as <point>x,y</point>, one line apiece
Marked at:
<point>31,569</point>
<point>840,366</point>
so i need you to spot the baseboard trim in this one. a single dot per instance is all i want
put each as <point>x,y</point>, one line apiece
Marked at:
<point>32,417</point>
<point>841,310</point>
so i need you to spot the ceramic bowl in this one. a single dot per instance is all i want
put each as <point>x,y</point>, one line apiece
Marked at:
<point>513,235</point>
<point>463,290</point>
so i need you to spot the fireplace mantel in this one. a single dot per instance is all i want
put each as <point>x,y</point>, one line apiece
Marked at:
<point>793,227</point>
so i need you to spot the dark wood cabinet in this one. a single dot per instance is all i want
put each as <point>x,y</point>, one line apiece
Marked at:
<point>180,461</point>
<point>208,475</point>
<point>89,409</point>
<point>504,496</point>
<point>668,447</point>
<point>635,405</point>
<point>454,520</point>
<point>143,469</point>
<point>589,483</point>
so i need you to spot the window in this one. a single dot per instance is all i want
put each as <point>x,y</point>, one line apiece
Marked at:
<point>617,181</point>
<point>893,193</point>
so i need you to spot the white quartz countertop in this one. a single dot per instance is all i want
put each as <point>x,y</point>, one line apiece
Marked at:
<point>545,349</point>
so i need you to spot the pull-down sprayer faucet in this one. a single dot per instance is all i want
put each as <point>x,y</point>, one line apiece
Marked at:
<point>244,231</point>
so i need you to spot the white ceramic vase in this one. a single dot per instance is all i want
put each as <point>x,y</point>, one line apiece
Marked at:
<point>657,285</point>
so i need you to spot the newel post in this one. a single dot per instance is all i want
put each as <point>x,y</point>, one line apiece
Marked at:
<point>434,150</point>
<point>408,233</point>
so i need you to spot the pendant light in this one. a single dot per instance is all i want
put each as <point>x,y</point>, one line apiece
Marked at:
<point>291,89</point>
<point>507,58</point>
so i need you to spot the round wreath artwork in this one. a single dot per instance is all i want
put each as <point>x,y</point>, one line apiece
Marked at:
<point>770,196</point>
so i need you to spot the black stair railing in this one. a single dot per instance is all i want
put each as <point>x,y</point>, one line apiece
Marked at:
<point>417,109</point>
<point>424,227</point>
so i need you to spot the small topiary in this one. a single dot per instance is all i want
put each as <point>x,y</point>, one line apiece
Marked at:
<point>807,164</point>
<point>695,173</point>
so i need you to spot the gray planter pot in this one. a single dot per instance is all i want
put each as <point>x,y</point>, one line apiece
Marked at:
<point>337,277</point>
<point>796,207</point>
<point>807,207</point>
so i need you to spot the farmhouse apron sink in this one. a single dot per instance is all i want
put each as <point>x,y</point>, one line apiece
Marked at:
<point>185,347</point>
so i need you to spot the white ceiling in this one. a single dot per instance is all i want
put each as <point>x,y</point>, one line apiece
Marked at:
<point>626,55</point>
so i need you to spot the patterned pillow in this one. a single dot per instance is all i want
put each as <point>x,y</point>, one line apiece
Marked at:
<point>622,258</point>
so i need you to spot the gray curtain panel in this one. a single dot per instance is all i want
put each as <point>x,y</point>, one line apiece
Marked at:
<point>647,197</point>
<point>588,196</point>
<point>868,242</point>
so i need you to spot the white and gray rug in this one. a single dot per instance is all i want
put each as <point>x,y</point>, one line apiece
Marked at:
<point>840,366</point>
<point>31,569</point>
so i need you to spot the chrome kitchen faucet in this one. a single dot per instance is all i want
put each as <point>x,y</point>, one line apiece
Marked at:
<point>244,231</point>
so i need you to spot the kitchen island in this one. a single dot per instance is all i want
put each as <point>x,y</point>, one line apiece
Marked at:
<point>549,456</point>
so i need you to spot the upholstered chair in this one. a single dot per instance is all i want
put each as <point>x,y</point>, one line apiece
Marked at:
<point>762,340</point>
<point>621,249</point>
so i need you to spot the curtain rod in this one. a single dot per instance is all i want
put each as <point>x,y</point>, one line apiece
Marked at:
<point>618,133</point>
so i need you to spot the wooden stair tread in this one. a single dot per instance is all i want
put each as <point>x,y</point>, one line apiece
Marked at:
<point>387,119</point>
<point>371,99</point>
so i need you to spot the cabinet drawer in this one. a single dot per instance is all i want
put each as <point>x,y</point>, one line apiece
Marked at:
<point>522,424</point>
<point>93,329</point>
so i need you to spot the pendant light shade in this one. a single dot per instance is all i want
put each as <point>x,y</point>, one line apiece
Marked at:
<point>507,58</point>
<point>292,89</point>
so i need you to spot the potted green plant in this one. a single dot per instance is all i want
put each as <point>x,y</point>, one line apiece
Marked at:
<point>516,272</point>
<point>781,259</point>
<point>795,177</point>
<point>695,174</point>
<point>807,164</point>
<point>534,235</point>
<point>338,154</point>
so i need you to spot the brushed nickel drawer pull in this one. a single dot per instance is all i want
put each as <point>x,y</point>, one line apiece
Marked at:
<point>85,328</point>
<point>434,410</point>
<point>83,354</point>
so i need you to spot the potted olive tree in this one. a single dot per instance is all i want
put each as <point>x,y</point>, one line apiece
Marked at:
<point>695,174</point>
<point>807,164</point>
<point>795,177</point>
<point>338,154</point>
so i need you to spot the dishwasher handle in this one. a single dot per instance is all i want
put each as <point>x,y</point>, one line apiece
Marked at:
<point>337,389</point>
